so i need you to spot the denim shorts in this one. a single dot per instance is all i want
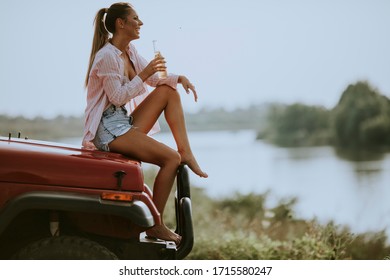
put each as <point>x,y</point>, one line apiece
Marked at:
<point>114,123</point>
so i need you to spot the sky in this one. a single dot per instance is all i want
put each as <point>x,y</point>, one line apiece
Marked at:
<point>237,53</point>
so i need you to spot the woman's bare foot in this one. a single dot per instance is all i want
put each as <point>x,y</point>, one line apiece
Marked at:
<point>191,162</point>
<point>164,233</point>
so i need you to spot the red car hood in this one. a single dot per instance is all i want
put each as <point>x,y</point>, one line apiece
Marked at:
<point>47,163</point>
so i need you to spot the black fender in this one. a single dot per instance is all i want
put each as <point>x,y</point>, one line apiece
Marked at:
<point>137,211</point>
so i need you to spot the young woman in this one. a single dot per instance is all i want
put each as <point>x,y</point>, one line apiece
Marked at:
<point>116,76</point>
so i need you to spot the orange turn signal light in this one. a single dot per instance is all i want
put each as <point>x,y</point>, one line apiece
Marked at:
<point>117,196</point>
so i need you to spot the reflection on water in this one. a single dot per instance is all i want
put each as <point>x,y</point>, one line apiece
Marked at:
<point>349,187</point>
<point>357,155</point>
<point>366,169</point>
<point>367,164</point>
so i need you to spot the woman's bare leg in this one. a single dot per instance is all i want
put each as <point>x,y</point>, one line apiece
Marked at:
<point>135,143</point>
<point>166,99</point>
<point>138,145</point>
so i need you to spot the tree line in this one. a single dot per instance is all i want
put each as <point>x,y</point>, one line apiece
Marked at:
<point>41,128</point>
<point>64,127</point>
<point>361,118</point>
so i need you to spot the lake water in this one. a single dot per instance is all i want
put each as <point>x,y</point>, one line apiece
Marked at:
<point>351,190</point>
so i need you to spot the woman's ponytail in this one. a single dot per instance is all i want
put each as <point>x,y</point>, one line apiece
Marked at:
<point>100,38</point>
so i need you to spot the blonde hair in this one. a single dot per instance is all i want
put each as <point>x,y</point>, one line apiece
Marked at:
<point>104,26</point>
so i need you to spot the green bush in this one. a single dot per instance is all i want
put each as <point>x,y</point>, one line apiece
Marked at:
<point>376,131</point>
<point>318,243</point>
<point>297,125</point>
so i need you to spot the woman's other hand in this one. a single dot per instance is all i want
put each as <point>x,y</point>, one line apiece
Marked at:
<point>188,86</point>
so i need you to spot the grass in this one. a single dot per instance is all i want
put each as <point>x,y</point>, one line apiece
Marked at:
<point>243,228</point>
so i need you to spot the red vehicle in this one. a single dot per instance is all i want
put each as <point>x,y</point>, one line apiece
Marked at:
<point>64,202</point>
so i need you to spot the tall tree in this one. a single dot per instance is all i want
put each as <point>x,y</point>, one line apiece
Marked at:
<point>362,117</point>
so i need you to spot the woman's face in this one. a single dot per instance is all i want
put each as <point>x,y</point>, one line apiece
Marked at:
<point>132,25</point>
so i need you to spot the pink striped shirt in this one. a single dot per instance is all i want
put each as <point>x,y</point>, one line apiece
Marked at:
<point>109,85</point>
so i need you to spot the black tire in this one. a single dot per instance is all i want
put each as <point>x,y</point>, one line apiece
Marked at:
<point>65,248</point>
